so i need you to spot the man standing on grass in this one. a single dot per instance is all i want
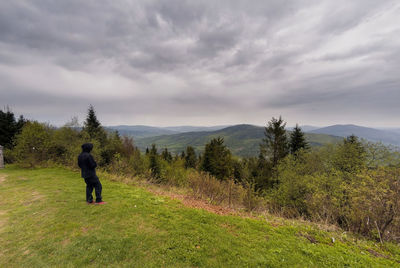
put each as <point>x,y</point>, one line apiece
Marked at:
<point>88,168</point>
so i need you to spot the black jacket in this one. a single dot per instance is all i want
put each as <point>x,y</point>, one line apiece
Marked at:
<point>86,161</point>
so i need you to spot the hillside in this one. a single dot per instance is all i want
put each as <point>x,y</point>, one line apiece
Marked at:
<point>242,140</point>
<point>371,134</point>
<point>45,222</point>
<point>140,131</point>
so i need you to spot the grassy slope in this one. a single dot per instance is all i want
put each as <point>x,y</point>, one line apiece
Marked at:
<point>242,140</point>
<point>46,222</point>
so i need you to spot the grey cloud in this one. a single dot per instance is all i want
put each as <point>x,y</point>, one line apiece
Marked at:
<point>209,56</point>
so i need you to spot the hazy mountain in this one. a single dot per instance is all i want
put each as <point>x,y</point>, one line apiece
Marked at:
<point>139,131</point>
<point>371,134</point>
<point>242,140</point>
<point>304,128</point>
<point>182,129</point>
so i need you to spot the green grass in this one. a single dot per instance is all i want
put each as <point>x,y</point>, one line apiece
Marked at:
<point>44,221</point>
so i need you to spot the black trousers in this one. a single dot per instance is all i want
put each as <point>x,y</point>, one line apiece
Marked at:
<point>93,182</point>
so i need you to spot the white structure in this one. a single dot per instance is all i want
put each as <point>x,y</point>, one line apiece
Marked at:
<point>1,157</point>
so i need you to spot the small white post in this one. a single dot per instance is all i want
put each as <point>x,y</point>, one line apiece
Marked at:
<point>1,157</point>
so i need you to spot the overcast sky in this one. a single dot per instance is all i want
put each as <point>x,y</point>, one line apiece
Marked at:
<point>202,62</point>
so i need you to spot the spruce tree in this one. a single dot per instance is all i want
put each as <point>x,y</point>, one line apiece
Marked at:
<point>154,162</point>
<point>274,146</point>
<point>92,126</point>
<point>166,155</point>
<point>9,127</point>
<point>297,140</point>
<point>190,158</point>
<point>217,159</point>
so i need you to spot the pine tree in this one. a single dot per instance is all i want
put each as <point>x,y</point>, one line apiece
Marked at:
<point>190,158</point>
<point>217,159</point>
<point>154,162</point>
<point>297,140</point>
<point>166,155</point>
<point>275,144</point>
<point>92,126</point>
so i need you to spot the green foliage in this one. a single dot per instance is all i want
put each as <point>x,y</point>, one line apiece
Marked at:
<point>9,128</point>
<point>217,159</point>
<point>190,158</point>
<point>154,162</point>
<point>167,156</point>
<point>33,144</point>
<point>274,146</point>
<point>93,127</point>
<point>297,140</point>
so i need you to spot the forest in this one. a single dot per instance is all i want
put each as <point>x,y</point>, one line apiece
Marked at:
<point>353,184</point>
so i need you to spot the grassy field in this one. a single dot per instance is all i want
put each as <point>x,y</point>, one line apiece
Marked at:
<point>45,221</point>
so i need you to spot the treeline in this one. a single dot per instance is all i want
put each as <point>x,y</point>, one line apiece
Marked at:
<point>353,184</point>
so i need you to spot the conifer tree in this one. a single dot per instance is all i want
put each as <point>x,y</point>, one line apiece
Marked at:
<point>190,158</point>
<point>166,155</point>
<point>92,126</point>
<point>154,162</point>
<point>275,144</point>
<point>9,127</point>
<point>217,159</point>
<point>297,140</point>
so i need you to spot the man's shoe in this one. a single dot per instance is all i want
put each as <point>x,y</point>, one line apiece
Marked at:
<point>100,203</point>
<point>90,203</point>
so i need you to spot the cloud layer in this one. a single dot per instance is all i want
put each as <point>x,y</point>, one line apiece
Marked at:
<point>202,62</point>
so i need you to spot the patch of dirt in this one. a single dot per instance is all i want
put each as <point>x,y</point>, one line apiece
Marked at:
<point>2,178</point>
<point>377,254</point>
<point>309,237</point>
<point>3,219</point>
<point>65,242</point>
<point>231,229</point>
<point>35,196</point>
<point>192,202</point>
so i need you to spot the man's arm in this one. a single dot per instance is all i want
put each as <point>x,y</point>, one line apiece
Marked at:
<point>92,163</point>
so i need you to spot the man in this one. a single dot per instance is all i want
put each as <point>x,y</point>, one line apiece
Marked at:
<point>88,168</point>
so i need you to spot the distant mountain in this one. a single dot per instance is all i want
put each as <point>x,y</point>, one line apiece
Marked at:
<point>242,140</point>
<point>371,134</point>
<point>139,131</point>
<point>304,128</point>
<point>182,129</point>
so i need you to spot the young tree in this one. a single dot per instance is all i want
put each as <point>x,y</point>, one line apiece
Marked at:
<point>190,158</point>
<point>93,127</point>
<point>297,140</point>
<point>155,166</point>
<point>274,146</point>
<point>217,159</point>
<point>166,155</point>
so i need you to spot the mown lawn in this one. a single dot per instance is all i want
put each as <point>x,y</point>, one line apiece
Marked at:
<point>45,221</point>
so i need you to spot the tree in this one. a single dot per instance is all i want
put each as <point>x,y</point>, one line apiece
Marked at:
<point>297,140</point>
<point>166,155</point>
<point>274,146</point>
<point>190,158</point>
<point>9,128</point>
<point>33,144</point>
<point>217,159</point>
<point>93,127</point>
<point>154,162</point>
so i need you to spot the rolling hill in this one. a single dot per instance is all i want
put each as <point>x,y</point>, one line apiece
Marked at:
<point>140,131</point>
<point>242,140</point>
<point>371,134</point>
